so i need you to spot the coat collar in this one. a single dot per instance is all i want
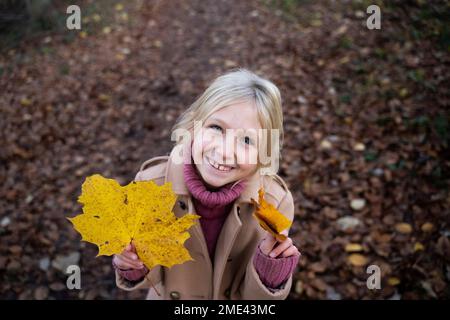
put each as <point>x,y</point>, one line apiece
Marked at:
<point>175,175</point>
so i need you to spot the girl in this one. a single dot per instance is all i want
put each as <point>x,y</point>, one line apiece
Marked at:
<point>233,257</point>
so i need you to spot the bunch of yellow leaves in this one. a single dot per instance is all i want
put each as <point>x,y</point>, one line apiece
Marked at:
<point>139,213</point>
<point>270,219</point>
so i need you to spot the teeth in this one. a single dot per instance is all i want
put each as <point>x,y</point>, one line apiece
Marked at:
<point>218,166</point>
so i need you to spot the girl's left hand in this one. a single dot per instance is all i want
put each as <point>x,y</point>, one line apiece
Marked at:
<point>283,249</point>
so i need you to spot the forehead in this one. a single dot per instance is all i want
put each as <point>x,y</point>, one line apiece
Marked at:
<point>240,115</point>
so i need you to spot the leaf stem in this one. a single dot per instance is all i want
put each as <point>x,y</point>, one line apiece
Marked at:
<point>151,283</point>
<point>147,277</point>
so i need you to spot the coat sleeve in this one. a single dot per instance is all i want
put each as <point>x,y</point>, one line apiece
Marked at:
<point>252,287</point>
<point>154,275</point>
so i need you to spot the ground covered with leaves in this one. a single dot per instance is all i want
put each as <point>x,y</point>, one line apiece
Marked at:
<point>366,119</point>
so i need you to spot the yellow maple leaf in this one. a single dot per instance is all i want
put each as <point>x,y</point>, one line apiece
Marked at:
<point>139,213</point>
<point>270,218</point>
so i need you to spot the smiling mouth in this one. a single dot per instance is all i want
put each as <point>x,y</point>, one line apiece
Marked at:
<point>218,166</point>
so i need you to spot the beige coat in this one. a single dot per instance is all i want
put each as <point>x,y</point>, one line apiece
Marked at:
<point>232,274</point>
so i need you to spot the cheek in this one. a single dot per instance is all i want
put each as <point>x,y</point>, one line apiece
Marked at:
<point>203,142</point>
<point>209,141</point>
<point>246,169</point>
<point>247,156</point>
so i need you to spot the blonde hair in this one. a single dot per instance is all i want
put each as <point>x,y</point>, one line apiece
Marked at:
<point>237,85</point>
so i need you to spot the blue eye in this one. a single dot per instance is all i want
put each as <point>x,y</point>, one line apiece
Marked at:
<point>216,127</point>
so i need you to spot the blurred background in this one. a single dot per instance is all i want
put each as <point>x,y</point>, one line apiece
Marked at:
<point>366,152</point>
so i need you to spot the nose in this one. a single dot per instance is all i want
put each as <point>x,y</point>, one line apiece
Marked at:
<point>225,149</point>
<point>230,149</point>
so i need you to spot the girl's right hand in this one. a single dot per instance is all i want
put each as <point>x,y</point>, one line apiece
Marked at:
<point>128,259</point>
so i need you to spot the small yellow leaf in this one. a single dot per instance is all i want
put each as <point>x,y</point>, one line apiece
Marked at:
<point>393,281</point>
<point>427,227</point>
<point>124,16</point>
<point>418,247</point>
<point>307,185</point>
<point>83,34</point>
<point>270,218</point>
<point>25,102</point>
<point>359,147</point>
<point>404,228</point>
<point>120,56</point>
<point>344,60</point>
<point>325,144</point>
<point>157,43</point>
<point>353,247</point>
<point>316,23</point>
<point>103,97</point>
<point>106,30</point>
<point>230,63</point>
<point>119,7</point>
<point>358,260</point>
<point>96,17</point>
<point>403,92</point>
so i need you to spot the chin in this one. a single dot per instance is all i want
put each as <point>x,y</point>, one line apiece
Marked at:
<point>215,182</point>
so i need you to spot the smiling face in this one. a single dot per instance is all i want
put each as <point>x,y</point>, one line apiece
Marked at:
<point>226,148</point>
